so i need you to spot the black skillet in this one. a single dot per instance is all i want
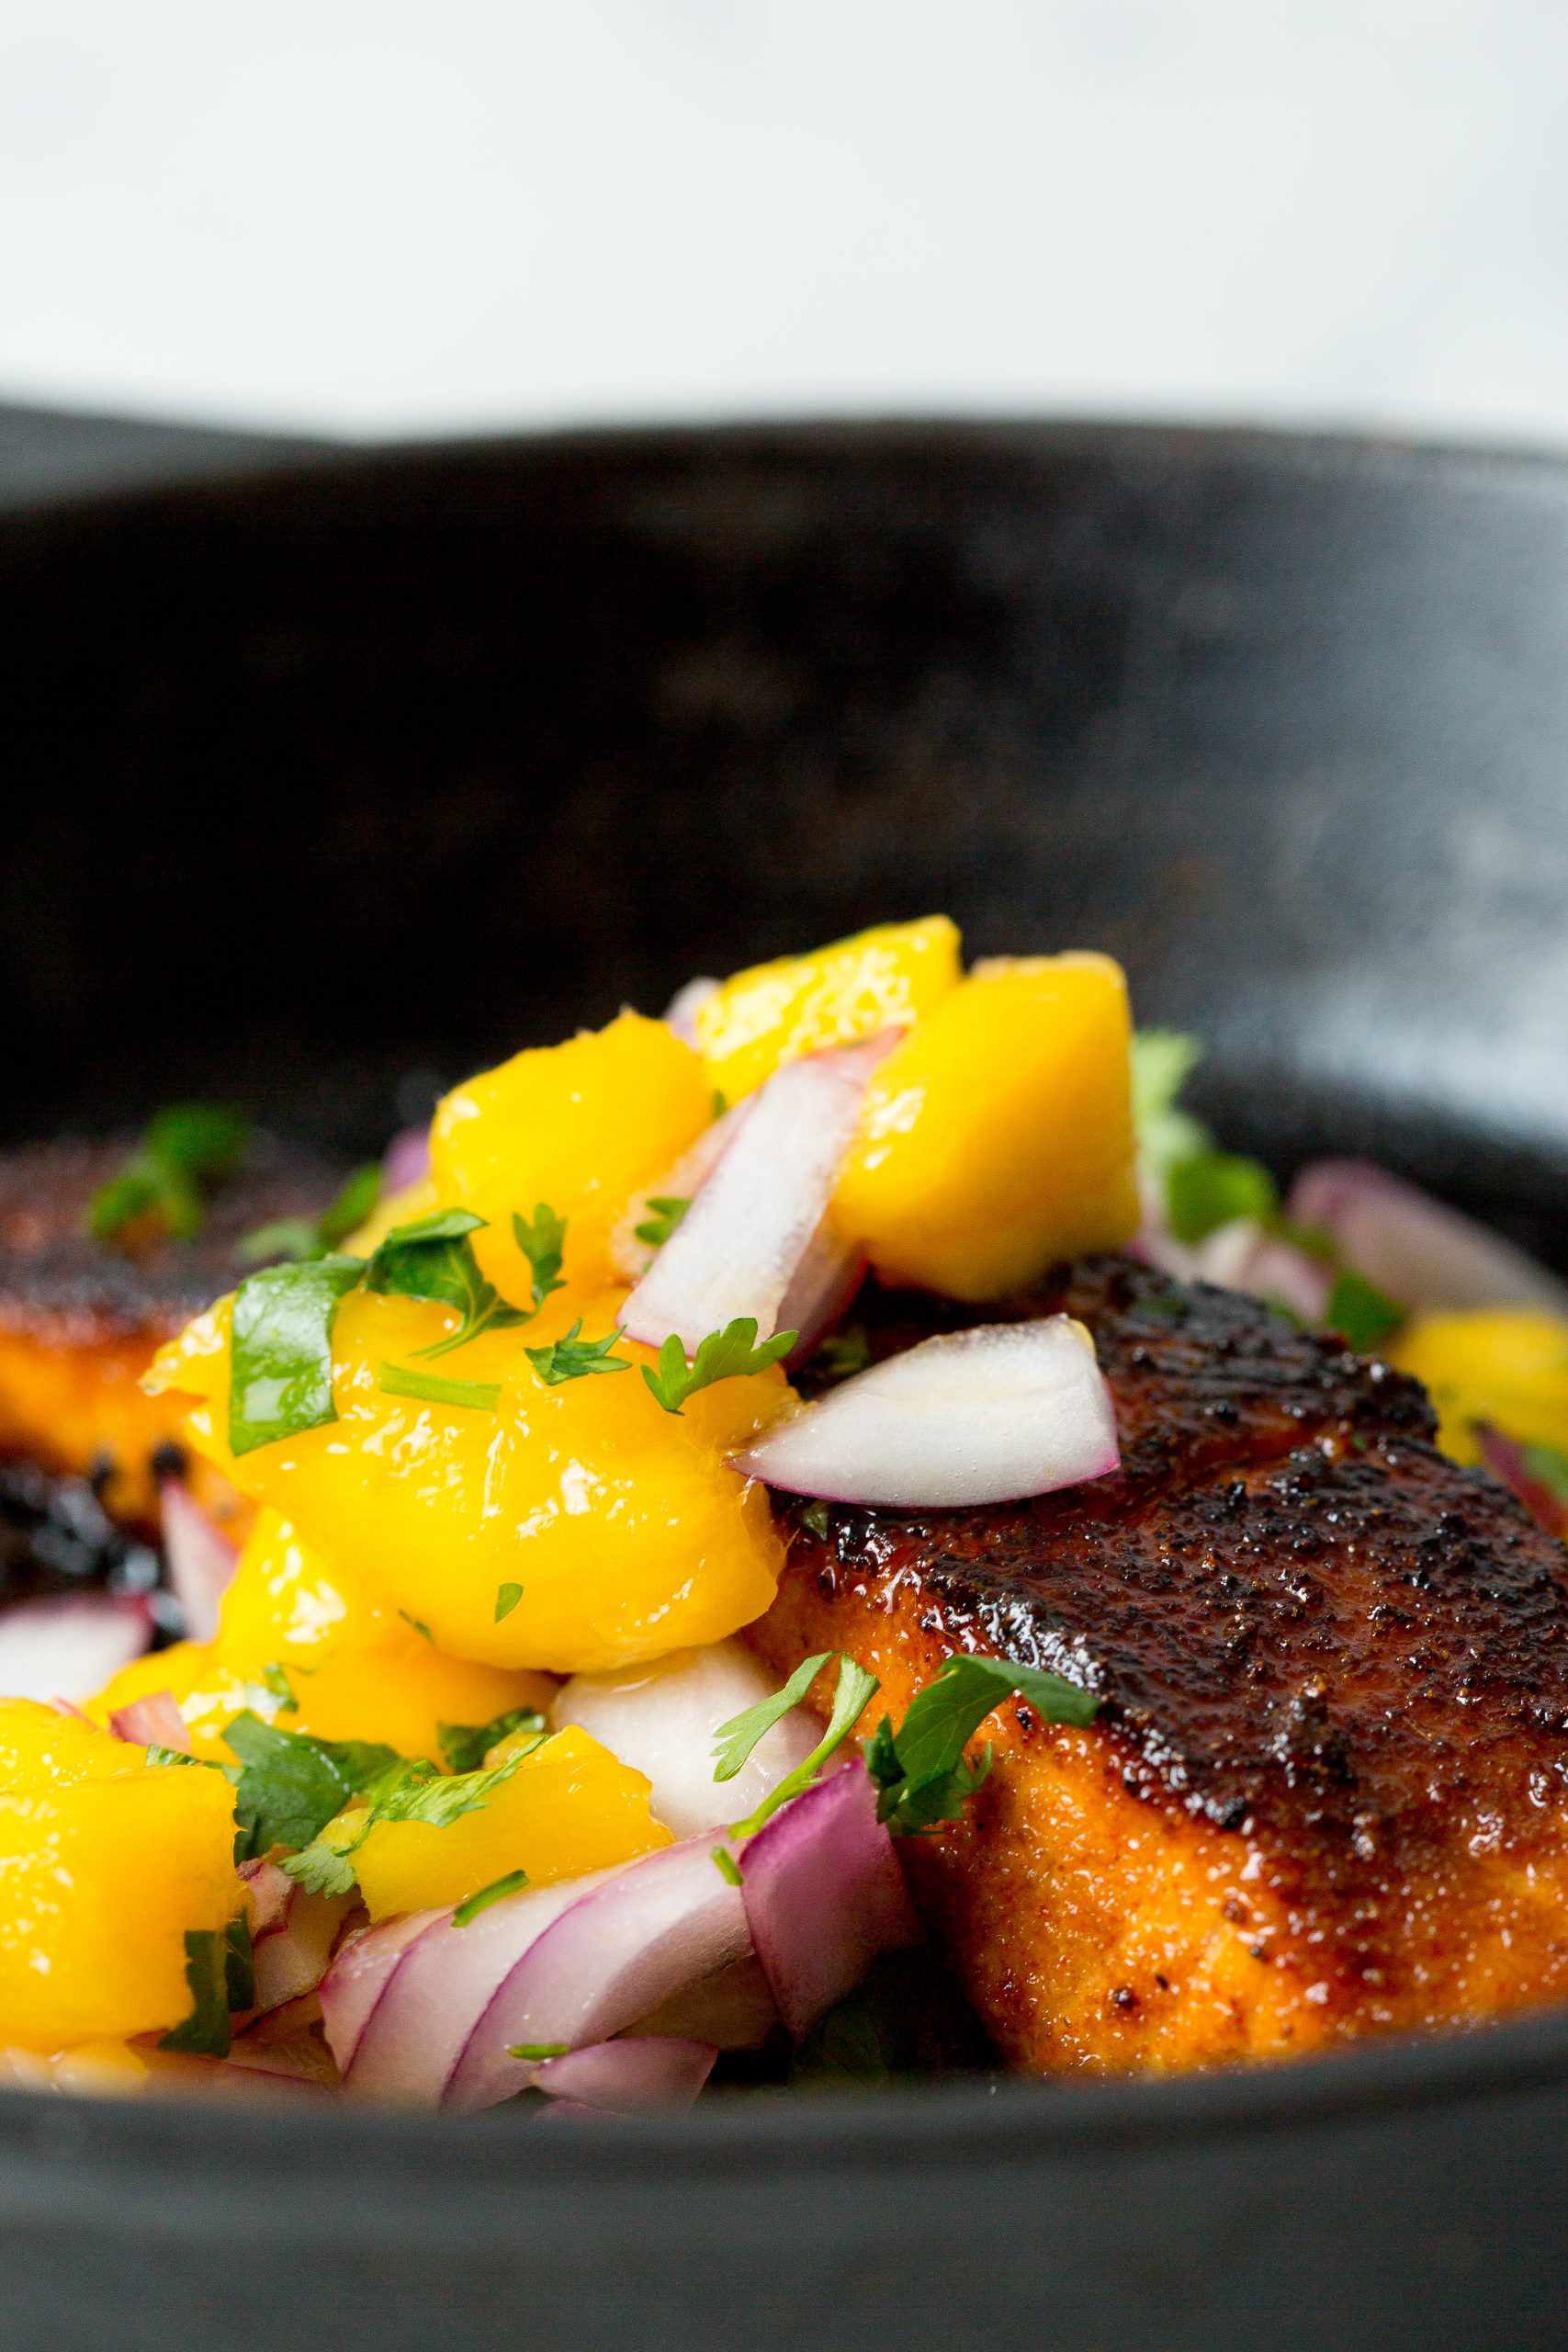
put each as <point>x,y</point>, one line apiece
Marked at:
<point>330,776</point>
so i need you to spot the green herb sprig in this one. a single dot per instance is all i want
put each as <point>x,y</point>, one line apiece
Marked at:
<point>219,1973</point>
<point>184,1151</point>
<point>723,1355</point>
<point>432,1258</point>
<point>570,1358</point>
<point>921,1771</point>
<point>856,1689</point>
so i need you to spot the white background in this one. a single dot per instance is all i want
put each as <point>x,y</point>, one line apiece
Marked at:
<point>377,216</point>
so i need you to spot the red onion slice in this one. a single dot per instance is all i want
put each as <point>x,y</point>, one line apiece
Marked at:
<point>660,1719</point>
<point>631,1254</point>
<point>292,1934</point>
<point>628,2077</point>
<point>681,1012</point>
<point>824,1893</point>
<point>355,1983</point>
<point>1423,1253</point>
<point>983,1415</point>
<point>152,1721</point>
<point>820,1289</point>
<point>69,1648</point>
<point>608,1961</point>
<point>200,1556</point>
<point>406,1159</point>
<point>1242,1256</point>
<point>740,1244</point>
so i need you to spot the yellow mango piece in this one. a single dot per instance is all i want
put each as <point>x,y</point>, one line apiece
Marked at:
<point>998,1138</point>
<point>581,1126</point>
<point>288,1604</point>
<point>105,1862</point>
<point>208,1694</point>
<point>620,1523</point>
<point>885,979</point>
<point>401,1691</point>
<point>1507,1365</point>
<point>569,1807</point>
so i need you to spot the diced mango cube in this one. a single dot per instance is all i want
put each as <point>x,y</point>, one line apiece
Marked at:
<point>1507,1365</point>
<point>886,978</point>
<point>567,1807</point>
<point>998,1138</point>
<point>106,1863</point>
<point>581,1126</point>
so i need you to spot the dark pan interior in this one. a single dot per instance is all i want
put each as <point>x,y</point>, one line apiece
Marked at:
<point>329,781</point>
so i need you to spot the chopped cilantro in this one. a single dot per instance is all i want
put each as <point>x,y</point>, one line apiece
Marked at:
<point>496,1892</point>
<point>175,1755</point>
<point>1548,1466</point>
<point>920,1772</point>
<point>419,1626</point>
<point>290,1785</point>
<point>410,1788</point>
<point>723,1355</point>
<point>430,1388</point>
<point>726,1865</point>
<point>843,1353</point>
<point>734,1741</point>
<point>281,1354</point>
<point>433,1258</point>
<point>570,1358</point>
<point>507,1596</point>
<point>816,1517</point>
<point>542,1244</point>
<point>856,1689</point>
<point>1163,1060</point>
<point>185,1148</point>
<point>466,1745</point>
<point>1364,1316</point>
<point>1212,1189</point>
<point>218,1971</point>
<point>535,2052</point>
<point>668,1210</point>
<point>720,1102</point>
<point>303,1238</point>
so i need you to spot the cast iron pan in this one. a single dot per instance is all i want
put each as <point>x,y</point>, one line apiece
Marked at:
<point>331,777</point>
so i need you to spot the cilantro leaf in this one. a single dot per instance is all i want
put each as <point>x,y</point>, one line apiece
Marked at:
<point>570,1358</point>
<point>668,1210</point>
<point>723,1355</point>
<point>507,1596</point>
<point>1549,1465</point>
<point>496,1892</point>
<point>1163,1060</point>
<point>433,1258</point>
<point>1214,1188</point>
<point>303,1238</point>
<point>409,1789</point>
<point>218,1971</point>
<point>734,1741</point>
<point>185,1149</point>
<point>290,1785</point>
<point>322,1867</point>
<point>726,1865</point>
<point>921,1771</point>
<point>402,1380</point>
<point>843,1353</point>
<point>542,1244</point>
<point>1363,1315</point>
<point>466,1745</point>
<point>535,2052</point>
<point>281,1353</point>
<point>855,1691</point>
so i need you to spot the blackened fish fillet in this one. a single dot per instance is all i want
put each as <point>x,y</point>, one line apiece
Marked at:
<point>1327,1791</point>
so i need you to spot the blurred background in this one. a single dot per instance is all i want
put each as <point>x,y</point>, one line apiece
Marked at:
<point>377,217</point>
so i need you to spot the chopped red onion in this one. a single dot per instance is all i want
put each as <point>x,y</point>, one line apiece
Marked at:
<point>820,1290</point>
<point>406,1159</point>
<point>152,1721</point>
<point>628,2077</point>
<point>1423,1254</point>
<point>681,1012</point>
<point>604,1962</point>
<point>271,1892</point>
<point>661,1719</point>
<point>1244,1256</point>
<point>354,1984</point>
<point>824,1893</point>
<point>983,1415</point>
<point>200,1556</point>
<point>69,1648</point>
<point>742,1243</point>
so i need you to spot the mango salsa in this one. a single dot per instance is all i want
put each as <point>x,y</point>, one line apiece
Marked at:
<point>105,1862</point>
<point>886,978</point>
<point>582,1126</point>
<point>998,1138</point>
<point>568,1808</point>
<point>621,1523</point>
<point>293,1623</point>
<point>1507,1365</point>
